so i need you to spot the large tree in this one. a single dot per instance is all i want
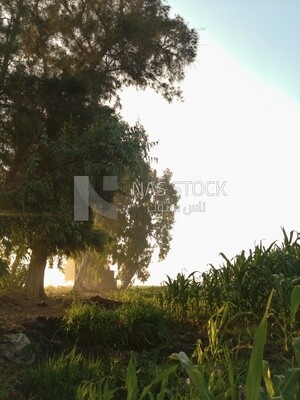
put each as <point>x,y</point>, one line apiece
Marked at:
<point>147,205</point>
<point>59,62</point>
<point>101,44</point>
<point>44,202</point>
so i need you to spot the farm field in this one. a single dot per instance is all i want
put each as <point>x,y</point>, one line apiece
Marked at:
<point>231,333</point>
<point>138,139</point>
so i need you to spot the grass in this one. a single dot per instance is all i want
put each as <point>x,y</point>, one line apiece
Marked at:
<point>58,377</point>
<point>136,325</point>
<point>7,379</point>
<point>246,314</point>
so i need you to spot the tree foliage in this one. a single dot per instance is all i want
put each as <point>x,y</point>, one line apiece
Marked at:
<point>60,61</point>
<point>147,206</point>
<point>102,45</point>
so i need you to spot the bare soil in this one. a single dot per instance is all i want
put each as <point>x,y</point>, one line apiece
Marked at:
<point>40,320</point>
<point>18,310</point>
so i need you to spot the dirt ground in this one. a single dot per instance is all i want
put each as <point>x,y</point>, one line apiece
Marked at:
<point>18,310</point>
<point>39,321</point>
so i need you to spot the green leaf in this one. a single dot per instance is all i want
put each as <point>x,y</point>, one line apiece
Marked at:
<point>164,374</point>
<point>263,395</point>
<point>194,374</point>
<point>254,376</point>
<point>295,301</point>
<point>291,384</point>
<point>277,382</point>
<point>131,381</point>
<point>267,379</point>
<point>296,346</point>
<point>226,259</point>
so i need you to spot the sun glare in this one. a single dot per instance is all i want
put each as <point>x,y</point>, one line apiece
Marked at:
<point>55,277</point>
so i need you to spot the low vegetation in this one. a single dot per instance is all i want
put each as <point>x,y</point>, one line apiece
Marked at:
<point>134,326</point>
<point>246,346</point>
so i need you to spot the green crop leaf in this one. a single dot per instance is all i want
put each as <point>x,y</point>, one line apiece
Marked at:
<point>131,381</point>
<point>296,346</point>
<point>162,376</point>
<point>267,379</point>
<point>291,384</point>
<point>255,368</point>
<point>295,301</point>
<point>194,374</point>
<point>254,376</point>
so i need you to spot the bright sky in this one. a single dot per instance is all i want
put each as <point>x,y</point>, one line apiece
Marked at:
<point>262,34</point>
<point>239,124</point>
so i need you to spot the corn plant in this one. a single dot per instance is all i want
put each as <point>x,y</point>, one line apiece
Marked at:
<point>161,380</point>
<point>287,385</point>
<point>214,348</point>
<point>182,294</point>
<point>245,281</point>
<point>282,317</point>
<point>279,387</point>
<point>255,372</point>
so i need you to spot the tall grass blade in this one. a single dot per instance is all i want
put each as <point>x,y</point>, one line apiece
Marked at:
<point>131,381</point>
<point>254,375</point>
<point>161,377</point>
<point>194,374</point>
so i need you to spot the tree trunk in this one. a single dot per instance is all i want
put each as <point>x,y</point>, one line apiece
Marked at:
<point>126,281</point>
<point>78,283</point>
<point>34,285</point>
